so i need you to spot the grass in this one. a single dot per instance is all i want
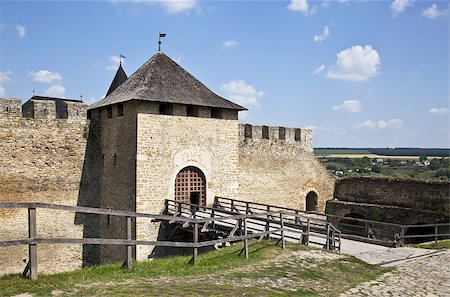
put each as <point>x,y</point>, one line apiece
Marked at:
<point>443,244</point>
<point>270,271</point>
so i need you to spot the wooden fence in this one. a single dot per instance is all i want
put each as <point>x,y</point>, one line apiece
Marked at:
<point>197,220</point>
<point>366,230</point>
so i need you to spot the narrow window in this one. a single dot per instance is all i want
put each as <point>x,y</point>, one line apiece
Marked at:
<point>298,134</point>
<point>78,113</point>
<point>120,109</point>
<point>6,108</point>
<point>115,160</point>
<point>166,108</point>
<point>216,113</point>
<point>109,112</point>
<point>282,133</point>
<point>265,132</point>
<point>248,131</point>
<point>89,114</point>
<point>192,111</point>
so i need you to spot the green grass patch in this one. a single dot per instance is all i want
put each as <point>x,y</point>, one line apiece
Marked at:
<point>443,244</point>
<point>270,271</point>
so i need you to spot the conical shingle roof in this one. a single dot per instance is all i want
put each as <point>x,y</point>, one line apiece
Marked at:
<point>119,78</point>
<point>160,79</point>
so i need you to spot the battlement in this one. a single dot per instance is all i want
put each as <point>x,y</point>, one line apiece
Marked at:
<point>301,137</point>
<point>43,108</point>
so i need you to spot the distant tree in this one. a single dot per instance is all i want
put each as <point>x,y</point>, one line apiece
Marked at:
<point>443,173</point>
<point>376,169</point>
<point>434,164</point>
<point>365,162</point>
<point>423,158</point>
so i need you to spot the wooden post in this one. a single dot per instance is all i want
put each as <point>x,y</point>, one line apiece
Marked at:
<point>296,217</point>
<point>129,260</point>
<point>435,233</point>
<point>245,240</point>
<point>402,237</point>
<point>328,237</point>
<point>32,249</point>
<point>283,245</point>
<point>195,250</point>
<point>267,223</point>
<point>247,208</point>
<point>366,232</point>
<point>179,209</point>
<point>308,229</point>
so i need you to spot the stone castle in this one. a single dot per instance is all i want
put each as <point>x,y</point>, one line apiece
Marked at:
<point>159,134</point>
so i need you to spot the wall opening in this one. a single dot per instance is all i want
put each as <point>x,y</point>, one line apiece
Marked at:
<point>282,133</point>
<point>350,226</point>
<point>265,132</point>
<point>120,109</point>
<point>109,112</point>
<point>166,108</point>
<point>298,134</point>
<point>247,131</point>
<point>216,113</point>
<point>192,111</point>
<point>190,186</point>
<point>312,201</point>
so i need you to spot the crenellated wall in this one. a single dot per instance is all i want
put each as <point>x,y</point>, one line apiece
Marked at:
<point>41,160</point>
<point>277,166</point>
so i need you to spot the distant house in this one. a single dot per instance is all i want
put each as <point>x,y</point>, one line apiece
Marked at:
<point>426,163</point>
<point>339,173</point>
<point>379,160</point>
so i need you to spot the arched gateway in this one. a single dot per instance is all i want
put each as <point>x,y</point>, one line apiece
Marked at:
<point>190,186</point>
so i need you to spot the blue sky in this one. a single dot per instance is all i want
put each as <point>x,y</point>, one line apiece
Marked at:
<point>359,73</point>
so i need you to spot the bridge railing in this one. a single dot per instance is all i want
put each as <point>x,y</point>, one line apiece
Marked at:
<point>371,231</point>
<point>298,227</point>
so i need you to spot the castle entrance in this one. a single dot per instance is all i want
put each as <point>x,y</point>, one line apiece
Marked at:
<point>190,186</point>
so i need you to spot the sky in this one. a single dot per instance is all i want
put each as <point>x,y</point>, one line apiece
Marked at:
<point>359,73</point>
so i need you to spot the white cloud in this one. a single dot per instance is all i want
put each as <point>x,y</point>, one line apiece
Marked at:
<point>21,30</point>
<point>5,76</point>
<point>322,37</point>
<point>114,62</point>
<point>2,91</point>
<point>299,5</point>
<point>355,64</point>
<point>55,90</point>
<point>433,12</point>
<point>319,69</point>
<point>242,93</point>
<point>398,6</point>
<point>175,6</point>
<point>351,106</point>
<point>45,76</point>
<point>438,111</point>
<point>381,124</point>
<point>230,44</point>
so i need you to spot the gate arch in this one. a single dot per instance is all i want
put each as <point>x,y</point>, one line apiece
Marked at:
<point>190,186</point>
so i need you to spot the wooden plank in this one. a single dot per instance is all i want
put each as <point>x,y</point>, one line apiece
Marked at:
<point>245,240</point>
<point>195,250</point>
<point>129,260</point>
<point>32,248</point>
<point>282,231</point>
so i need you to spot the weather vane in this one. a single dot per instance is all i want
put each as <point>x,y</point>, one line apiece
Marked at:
<point>120,58</point>
<point>159,40</point>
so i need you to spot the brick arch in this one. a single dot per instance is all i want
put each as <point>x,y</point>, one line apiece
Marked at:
<point>190,186</point>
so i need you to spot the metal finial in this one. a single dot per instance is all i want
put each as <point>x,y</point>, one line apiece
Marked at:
<point>120,58</point>
<point>81,96</point>
<point>33,92</point>
<point>159,40</point>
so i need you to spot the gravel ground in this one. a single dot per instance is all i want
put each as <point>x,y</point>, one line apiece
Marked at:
<point>423,276</point>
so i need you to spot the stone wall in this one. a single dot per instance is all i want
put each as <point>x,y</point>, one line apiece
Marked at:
<point>41,160</point>
<point>420,195</point>
<point>168,143</point>
<point>277,166</point>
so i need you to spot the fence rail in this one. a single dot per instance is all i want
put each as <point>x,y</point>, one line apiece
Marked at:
<point>368,230</point>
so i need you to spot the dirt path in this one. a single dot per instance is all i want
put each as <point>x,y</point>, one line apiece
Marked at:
<point>418,276</point>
